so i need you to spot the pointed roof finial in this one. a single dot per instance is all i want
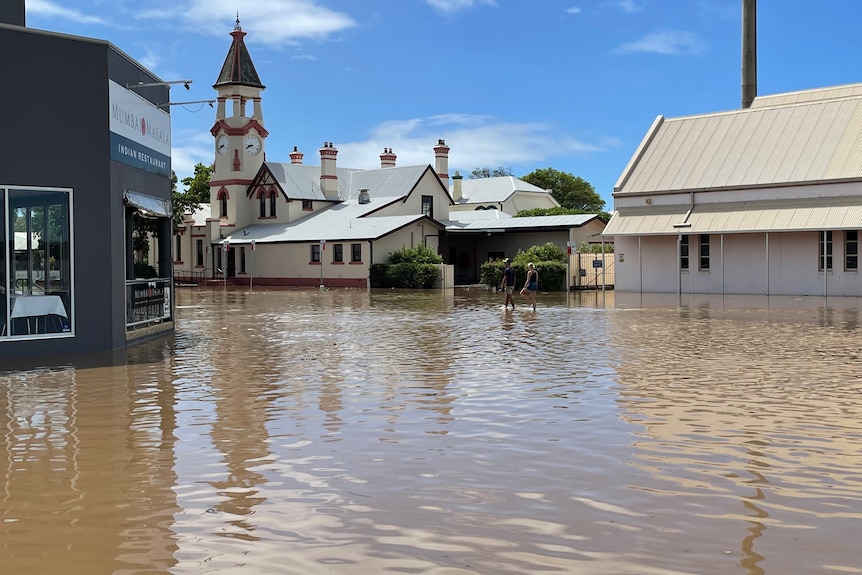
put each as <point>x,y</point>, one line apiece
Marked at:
<point>237,27</point>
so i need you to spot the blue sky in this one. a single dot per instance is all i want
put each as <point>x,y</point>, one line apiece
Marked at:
<point>524,84</point>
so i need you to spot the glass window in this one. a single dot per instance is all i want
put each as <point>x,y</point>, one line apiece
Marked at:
<point>355,253</point>
<point>428,206</point>
<point>178,248</point>
<point>683,252</point>
<point>338,252</point>
<point>851,250</point>
<point>262,201</point>
<point>242,259</point>
<point>199,248</point>
<point>307,205</point>
<point>37,283</point>
<point>315,253</point>
<point>704,251</point>
<point>825,250</point>
<point>272,204</point>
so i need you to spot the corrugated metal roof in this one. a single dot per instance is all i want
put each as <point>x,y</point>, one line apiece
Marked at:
<point>805,137</point>
<point>499,189</point>
<point>829,93</point>
<point>343,221</point>
<point>740,217</point>
<point>302,182</point>
<point>535,222</point>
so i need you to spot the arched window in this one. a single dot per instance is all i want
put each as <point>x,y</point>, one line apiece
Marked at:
<point>261,200</point>
<point>272,203</point>
<point>222,202</point>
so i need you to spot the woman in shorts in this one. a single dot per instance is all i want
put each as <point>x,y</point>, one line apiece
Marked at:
<point>531,286</point>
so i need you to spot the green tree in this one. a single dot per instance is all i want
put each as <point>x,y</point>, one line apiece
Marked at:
<point>197,187</point>
<point>490,172</point>
<point>569,190</point>
<point>196,192</point>
<point>561,211</point>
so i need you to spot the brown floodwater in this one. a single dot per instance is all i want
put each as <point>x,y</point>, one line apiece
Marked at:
<point>353,432</point>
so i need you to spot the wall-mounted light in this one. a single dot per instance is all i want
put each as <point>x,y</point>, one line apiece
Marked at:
<point>186,84</point>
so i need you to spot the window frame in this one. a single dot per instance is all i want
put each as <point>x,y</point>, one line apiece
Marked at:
<point>684,252</point>
<point>48,255</point>
<point>356,253</point>
<point>828,237</point>
<point>199,251</point>
<point>851,250</point>
<point>338,253</point>
<point>314,255</point>
<point>703,252</point>
<point>428,206</point>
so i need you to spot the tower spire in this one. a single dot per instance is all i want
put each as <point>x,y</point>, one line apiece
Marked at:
<point>238,69</point>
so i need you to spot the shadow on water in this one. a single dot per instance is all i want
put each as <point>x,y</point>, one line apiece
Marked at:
<point>347,431</point>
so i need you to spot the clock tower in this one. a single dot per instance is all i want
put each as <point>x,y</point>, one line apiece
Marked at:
<point>239,138</point>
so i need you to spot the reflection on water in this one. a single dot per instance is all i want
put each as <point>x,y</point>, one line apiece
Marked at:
<point>350,432</point>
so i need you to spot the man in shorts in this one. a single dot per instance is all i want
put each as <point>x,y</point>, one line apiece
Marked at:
<point>508,283</point>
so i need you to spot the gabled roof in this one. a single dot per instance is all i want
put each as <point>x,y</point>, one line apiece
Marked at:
<point>494,190</point>
<point>802,137</point>
<point>343,220</point>
<point>302,182</point>
<point>238,69</point>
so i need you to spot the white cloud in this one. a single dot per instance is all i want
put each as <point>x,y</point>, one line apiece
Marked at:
<point>573,10</point>
<point>455,5</point>
<point>150,59</point>
<point>628,5</point>
<point>667,42</point>
<point>53,10</point>
<point>274,22</point>
<point>475,141</point>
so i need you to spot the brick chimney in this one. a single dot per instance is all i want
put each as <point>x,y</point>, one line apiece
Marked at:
<point>328,177</point>
<point>387,158</point>
<point>441,161</point>
<point>456,186</point>
<point>296,156</point>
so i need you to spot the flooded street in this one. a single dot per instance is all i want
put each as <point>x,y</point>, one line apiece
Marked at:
<point>348,432</point>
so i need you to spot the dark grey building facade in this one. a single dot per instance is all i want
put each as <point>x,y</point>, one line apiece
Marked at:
<point>82,157</point>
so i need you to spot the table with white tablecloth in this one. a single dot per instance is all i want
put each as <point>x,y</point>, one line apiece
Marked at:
<point>34,306</point>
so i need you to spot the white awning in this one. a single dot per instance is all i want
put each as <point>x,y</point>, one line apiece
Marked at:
<point>794,215</point>
<point>148,206</point>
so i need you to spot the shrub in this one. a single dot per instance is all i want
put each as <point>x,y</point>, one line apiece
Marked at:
<point>418,255</point>
<point>549,259</point>
<point>550,252</point>
<point>143,270</point>
<point>411,268</point>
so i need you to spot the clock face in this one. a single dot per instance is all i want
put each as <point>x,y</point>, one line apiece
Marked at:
<point>251,144</point>
<point>222,145</point>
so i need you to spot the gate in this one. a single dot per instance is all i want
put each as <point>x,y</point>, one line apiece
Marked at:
<point>592,270</point>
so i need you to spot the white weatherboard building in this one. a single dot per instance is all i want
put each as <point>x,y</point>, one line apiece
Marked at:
<point>764,200</point>
<point>293,224</point>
